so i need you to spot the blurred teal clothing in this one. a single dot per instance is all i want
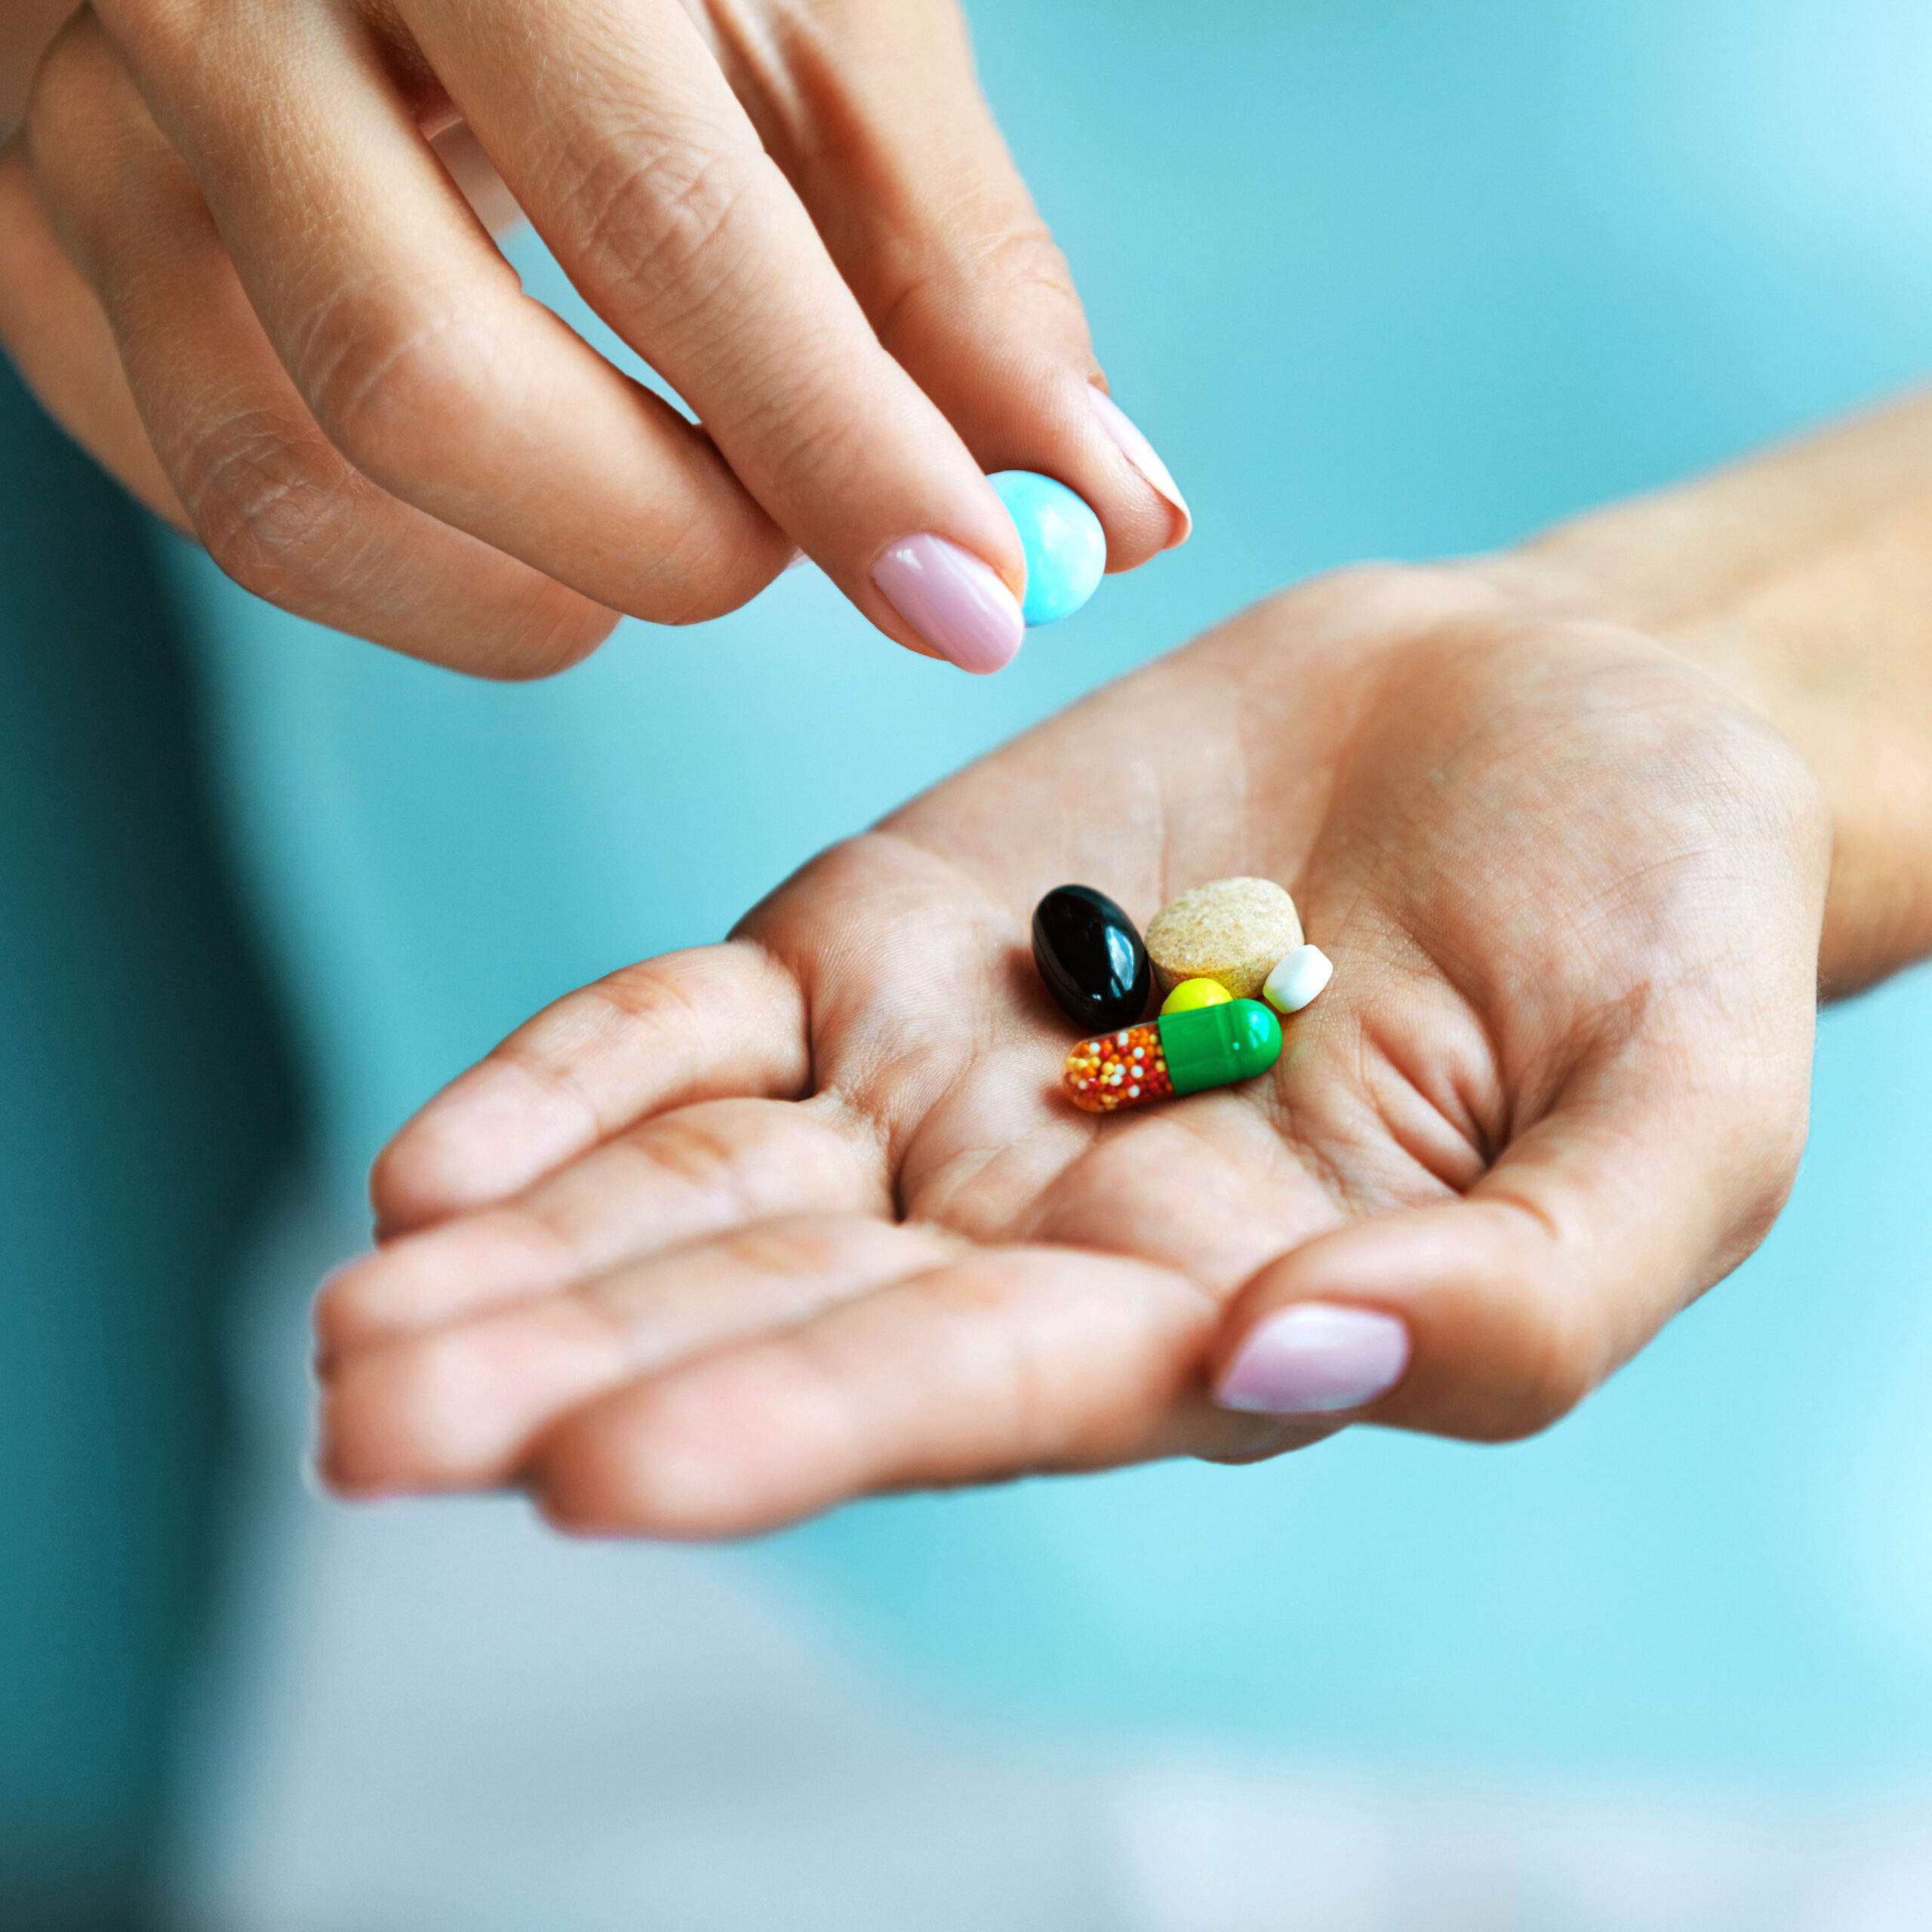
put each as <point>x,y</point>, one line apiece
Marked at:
<point>142,1107</point>
<point>1379,277</point>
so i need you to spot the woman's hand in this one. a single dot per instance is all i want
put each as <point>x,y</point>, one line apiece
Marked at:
<point>745,1231</point>
<point>234,264</point>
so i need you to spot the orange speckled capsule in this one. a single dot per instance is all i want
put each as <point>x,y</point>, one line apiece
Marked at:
<point>1118,1070</point>
<point>1180,1053</point>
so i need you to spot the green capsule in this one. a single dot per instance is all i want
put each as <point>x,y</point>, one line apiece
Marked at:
<point>1215,1046</point>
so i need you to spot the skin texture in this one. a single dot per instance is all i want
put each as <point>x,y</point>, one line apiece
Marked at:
<point>25,27</point>
<point>745,1231</point>
<point>245,258</point>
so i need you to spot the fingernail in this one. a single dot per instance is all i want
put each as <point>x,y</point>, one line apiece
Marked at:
<point>958,605</point>
<point>1314,1357</point>
<point>1141,453</point>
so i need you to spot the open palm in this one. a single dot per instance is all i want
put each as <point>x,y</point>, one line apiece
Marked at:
<point>745,1230</point>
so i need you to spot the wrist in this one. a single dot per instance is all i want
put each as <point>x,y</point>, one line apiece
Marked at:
<point>1829,654</point>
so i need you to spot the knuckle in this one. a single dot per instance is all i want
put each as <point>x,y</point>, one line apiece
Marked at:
<point>994,267</point>
<point>712,567</point>
<point>718,1159</point>
<point>1556,1349</point>
<point>696,1152</point>
<point>651,1000</point>
<point>799,1246</point>
<point>658,212</point>
<point>389,381</point>
<point>1022,256</point>
<point>269,517</point>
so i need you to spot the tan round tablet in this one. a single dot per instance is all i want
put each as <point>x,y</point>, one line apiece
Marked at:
<point>1232,929</point>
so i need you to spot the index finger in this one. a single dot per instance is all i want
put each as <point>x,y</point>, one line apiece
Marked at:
<point>636,162</point>
<point>715,1022</point>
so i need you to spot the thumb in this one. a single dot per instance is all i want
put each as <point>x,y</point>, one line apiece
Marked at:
<point>1489,1318</point>
<point>880,124</point>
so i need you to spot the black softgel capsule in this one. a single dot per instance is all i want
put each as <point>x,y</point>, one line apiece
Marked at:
<point>1091,958</point>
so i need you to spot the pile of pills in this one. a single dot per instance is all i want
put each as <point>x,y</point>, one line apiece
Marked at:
<point>1210,952</point>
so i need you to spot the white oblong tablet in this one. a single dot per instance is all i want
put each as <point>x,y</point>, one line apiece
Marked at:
<point>1297,977</point>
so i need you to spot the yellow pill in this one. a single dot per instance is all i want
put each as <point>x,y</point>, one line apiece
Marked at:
<point>1192,993</point>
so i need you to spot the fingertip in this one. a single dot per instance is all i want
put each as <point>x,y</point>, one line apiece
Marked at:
<point>357,1456</point>
<point>1060,425</point>
<point>570,630</point>
<point>334,1314</point>
<point>1315,1358</point>
<point>1461,1320</point>
<point>341,1463</point>
<point>740,1444</point>
<point>954,602</point>
<point>456,1407</point>
<point>439,1274</point>
<point>1145,461</point>
<point>487,1135</point>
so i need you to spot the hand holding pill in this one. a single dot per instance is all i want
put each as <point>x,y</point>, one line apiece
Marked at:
<point>276,296</point>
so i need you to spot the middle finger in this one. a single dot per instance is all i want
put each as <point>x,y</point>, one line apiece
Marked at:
<point>408,334</point>
<point>461,1406</point>
<point>682,1177</point>
<point>638,166</point>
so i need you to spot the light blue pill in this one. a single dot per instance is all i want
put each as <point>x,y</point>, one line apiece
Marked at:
<point>1067,548</point>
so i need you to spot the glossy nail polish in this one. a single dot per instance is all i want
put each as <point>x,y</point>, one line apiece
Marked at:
<point>1314,1357</point>
<point>1141,453</point>
<point>958,605</point>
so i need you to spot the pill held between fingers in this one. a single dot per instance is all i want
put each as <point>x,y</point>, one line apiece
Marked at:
<point>1297,978</point>
<point>1067,548</point>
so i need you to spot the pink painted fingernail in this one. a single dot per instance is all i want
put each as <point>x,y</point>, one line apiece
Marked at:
<point>1315,1357</point>
<point>958,605</point>
<point>1141,453</point>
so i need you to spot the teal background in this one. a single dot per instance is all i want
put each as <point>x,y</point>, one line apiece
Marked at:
<point>1378,277</point>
